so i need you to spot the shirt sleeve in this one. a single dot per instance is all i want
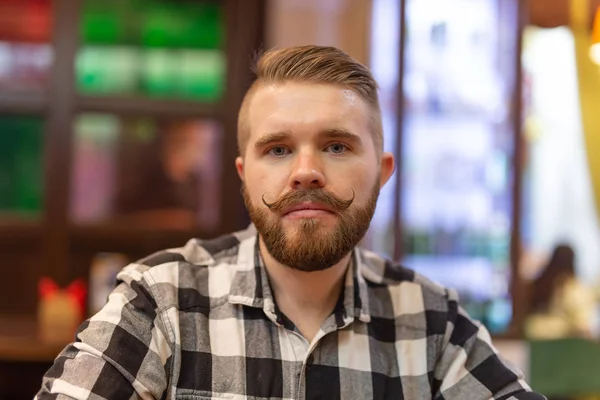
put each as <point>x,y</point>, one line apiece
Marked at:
<point>470,366</point>
<point>122,352</point>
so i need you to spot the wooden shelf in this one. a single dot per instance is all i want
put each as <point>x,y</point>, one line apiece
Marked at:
<point>133,105</point>
<point>130,237</point>
<point>51,245</point>
<point>30,102</point>
<point>19,341</point>
<point>16,231</point>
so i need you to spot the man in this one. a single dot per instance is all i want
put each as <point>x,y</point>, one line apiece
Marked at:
<point>290,308</point>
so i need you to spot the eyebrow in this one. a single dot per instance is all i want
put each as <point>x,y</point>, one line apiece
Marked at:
<point>272,138</point>
<point>337,133</point>
<point>333,133</point>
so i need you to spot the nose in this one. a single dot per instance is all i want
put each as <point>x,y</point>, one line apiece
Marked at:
<point>307,172</point>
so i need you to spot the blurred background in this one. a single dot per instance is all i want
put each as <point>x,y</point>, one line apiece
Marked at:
<point>118,135</point>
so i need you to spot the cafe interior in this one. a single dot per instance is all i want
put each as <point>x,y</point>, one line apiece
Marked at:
<point>491,107</point>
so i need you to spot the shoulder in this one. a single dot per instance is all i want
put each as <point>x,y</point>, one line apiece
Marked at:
<point>413,297</point>
<point>180,277</point>
<point>380,271</point>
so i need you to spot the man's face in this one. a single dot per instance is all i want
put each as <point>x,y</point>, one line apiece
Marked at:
<point>311,172</point>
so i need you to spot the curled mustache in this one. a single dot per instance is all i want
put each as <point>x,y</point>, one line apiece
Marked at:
<point>313,195</point>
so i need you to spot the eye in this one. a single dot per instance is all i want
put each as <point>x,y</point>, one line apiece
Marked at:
<point>278,151</point>
<point>337,148</point>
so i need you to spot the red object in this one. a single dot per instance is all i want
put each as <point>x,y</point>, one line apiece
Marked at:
<point>77,290</point>
<point>47,288</point>
<point>26,21</point>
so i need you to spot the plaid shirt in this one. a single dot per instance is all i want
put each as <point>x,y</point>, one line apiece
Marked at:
<point>200,322</point>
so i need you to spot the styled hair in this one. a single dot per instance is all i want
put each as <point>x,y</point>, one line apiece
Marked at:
<point>313,64</point>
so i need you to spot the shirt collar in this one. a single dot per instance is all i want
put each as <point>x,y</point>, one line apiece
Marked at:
<point>250,285</point>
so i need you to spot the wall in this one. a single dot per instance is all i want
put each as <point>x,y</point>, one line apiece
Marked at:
<point>589,89</point>
<point>341,23</point>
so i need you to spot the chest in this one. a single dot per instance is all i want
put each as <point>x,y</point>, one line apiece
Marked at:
<point>238,354</point>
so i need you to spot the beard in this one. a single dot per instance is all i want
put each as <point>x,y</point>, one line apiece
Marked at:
<point>311,246</point>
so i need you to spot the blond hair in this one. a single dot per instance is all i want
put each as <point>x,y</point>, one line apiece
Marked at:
<point>313,64</point>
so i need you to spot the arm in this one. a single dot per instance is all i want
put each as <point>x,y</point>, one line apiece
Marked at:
<point>470,367</point>
<point>120,353</point>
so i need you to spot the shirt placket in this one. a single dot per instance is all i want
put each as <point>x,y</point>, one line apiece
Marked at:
<point>311,350</point>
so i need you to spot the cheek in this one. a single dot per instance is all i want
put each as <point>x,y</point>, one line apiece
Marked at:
<point>265,180</point>
<point>360,177</point>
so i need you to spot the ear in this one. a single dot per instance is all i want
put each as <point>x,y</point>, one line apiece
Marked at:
<point>388,166</point>
<point>239,166</point>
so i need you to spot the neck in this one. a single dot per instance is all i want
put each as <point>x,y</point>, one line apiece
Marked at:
<point>307,298</point>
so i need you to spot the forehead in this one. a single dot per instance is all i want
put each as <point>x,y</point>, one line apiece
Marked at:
<point>305,107</point>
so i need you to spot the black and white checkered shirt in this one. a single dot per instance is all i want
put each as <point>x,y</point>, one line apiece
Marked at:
<point>200,322</point>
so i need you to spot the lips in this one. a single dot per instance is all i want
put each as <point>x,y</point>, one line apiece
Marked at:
<point>308,209</point>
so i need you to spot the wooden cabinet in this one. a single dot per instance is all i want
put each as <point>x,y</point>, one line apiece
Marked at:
<point>117,132</point>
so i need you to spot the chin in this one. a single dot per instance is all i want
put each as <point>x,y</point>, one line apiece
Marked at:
<point>329,220</point>
<point>310,226</point>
